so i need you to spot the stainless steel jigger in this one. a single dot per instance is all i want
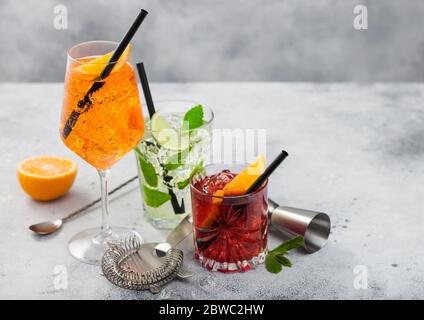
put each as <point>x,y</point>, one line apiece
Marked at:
<point>313,226</point>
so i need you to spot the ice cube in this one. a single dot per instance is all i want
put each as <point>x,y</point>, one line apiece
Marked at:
<point>212,183</point>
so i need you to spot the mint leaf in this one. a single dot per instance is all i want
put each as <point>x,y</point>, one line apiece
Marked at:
<point>154,198</point>
<point>272,264</point>
<point>177,160</point>
<point>137,151</point>
<point>288,245</point>
<point>283,260</point>
<point>149,172</point>
<point>182,184</point>
<point>276,258</point>
<point>193,118</point>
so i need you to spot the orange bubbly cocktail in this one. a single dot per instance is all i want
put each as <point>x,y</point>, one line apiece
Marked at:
<point>111,123</point>
<point>101,122</point>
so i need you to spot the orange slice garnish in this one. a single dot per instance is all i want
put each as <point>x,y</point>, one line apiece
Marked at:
<point>95,66</point>
<point>242,182</point>
<point>46,177</point>
<point>238,186</point>
<point>212,210</point>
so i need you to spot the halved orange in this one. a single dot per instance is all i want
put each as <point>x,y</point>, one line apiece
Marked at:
<point>242,182</point>
<point>95,66</point>
<point>46,177</point>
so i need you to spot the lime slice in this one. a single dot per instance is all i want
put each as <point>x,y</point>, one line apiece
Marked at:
<point>166,135</point>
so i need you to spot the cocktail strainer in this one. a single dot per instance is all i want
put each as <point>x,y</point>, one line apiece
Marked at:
<point>131,264</point>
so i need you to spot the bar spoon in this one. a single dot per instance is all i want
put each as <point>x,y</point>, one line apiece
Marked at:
<point>48,227</point>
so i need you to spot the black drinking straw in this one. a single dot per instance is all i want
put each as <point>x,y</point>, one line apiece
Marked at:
<point>146,89</point>
<point>85,103</point>
<point>268,171</point>
<point>151,108</point>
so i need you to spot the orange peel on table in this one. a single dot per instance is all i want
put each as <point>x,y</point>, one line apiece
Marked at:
<point>46,178</point>
<point>95,66</point>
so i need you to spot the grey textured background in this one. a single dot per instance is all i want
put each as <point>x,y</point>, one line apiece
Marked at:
<point>251,40</point>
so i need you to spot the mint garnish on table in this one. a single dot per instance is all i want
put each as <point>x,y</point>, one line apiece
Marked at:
<point>276,258</point>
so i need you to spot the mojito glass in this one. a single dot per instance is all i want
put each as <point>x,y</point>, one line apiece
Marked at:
<point>175,146</point>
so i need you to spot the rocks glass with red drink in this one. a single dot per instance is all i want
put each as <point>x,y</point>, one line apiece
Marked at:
<point>230,232</point>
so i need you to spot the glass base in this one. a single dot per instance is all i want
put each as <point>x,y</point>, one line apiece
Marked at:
<point>89,245</point>
<point>168,224</point>
<point>229,267</point>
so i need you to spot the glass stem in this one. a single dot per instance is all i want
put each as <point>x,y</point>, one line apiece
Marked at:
<point>105,228</point>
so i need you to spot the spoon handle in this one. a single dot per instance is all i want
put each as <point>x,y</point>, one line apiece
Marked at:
<point>89,205</point>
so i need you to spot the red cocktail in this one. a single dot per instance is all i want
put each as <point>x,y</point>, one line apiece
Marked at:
<point>230,232</point>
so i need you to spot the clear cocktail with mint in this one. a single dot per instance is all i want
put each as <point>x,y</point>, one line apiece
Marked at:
<point>175,146</point>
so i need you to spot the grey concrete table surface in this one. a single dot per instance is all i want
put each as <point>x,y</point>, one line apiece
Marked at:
<point>356,152</point>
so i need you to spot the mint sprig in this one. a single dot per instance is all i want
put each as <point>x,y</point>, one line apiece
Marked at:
<point>177,160</point>
<point>276,259</point>
<point>154,198</point>
<point>149,172</point>
<point>182,184</point>
<point>193,118</point>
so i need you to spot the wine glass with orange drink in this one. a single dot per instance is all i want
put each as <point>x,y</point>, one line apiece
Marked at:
<point>101,121</point>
